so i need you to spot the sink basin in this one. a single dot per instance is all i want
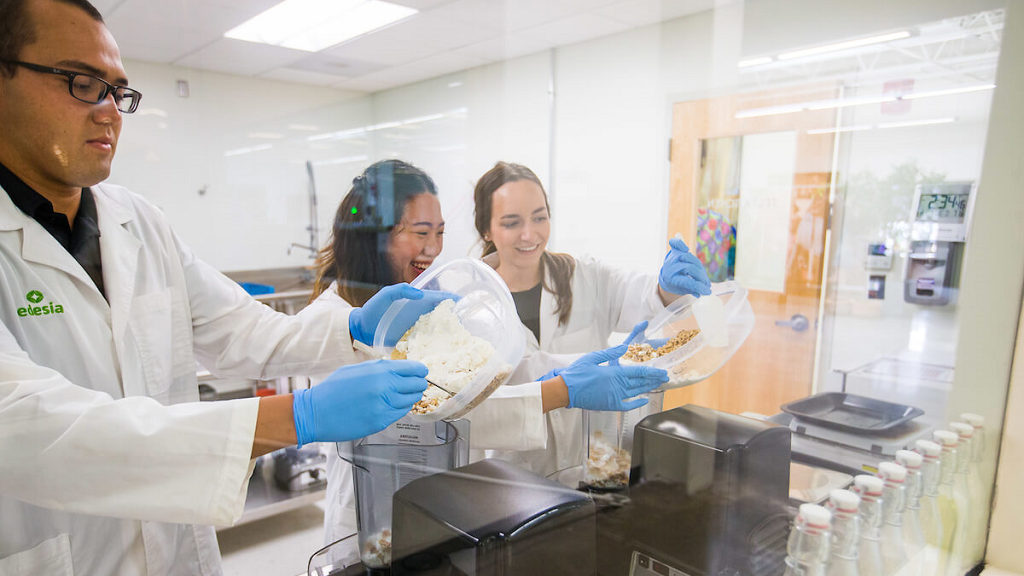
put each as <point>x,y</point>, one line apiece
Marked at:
<point>298,279</point>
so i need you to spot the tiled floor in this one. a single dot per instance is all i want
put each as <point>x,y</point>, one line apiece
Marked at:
<point>276,546</point>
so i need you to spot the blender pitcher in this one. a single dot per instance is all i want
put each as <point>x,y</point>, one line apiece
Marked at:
<point>386,461</point>
<point>608,437</point>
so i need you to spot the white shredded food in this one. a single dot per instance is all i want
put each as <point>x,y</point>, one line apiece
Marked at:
<point>452,355</point>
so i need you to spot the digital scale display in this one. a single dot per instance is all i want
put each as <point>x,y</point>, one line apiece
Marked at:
<point>935,207</point>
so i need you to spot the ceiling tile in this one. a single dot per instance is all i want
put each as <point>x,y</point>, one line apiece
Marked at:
<point>395,44</point>
<point>577,29</point>
<point>420,5</point>
<point>143,41</point>
<point>414,38</point>
<point>477,13</point>
<point>586,5</point>
<point>250,7</point>
<point>671,9</point>
<point>506,16</point>
<point>505,47</point>
<point>328,63</point>
<point>149,52</point>
<point>201,17</point>
<point>634,12</point>
<point>239,57</point>
<point>524,14</point>
<point>303,77</point>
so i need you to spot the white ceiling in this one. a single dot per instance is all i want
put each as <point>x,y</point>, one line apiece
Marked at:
<point>445,36</point>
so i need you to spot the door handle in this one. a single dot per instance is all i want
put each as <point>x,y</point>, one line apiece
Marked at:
<point>798,323</point>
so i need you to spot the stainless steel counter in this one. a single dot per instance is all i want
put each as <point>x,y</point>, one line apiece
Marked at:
<point>265,499</point>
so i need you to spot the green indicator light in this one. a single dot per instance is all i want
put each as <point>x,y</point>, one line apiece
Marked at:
<point>355,210</point>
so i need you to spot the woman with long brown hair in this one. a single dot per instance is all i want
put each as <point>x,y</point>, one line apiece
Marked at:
<point>568,305</point>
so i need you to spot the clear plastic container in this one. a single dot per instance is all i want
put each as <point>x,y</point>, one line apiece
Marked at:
<point>695,360</point>
<point>486,309</point>
<point>384,462</point>
<point>608,437</point>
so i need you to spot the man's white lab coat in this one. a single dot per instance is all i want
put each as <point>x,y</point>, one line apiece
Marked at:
<point>107,460</point>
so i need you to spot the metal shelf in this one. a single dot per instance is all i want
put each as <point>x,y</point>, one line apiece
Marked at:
<point>265,498</point>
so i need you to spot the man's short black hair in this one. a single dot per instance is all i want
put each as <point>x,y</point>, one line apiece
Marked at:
<point>17,30</point>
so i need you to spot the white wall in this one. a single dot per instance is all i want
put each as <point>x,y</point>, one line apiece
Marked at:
<point>1008,508</point>
<point>254,204</point>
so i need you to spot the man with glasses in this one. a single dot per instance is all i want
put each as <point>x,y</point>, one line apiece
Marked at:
<point>108,462</point>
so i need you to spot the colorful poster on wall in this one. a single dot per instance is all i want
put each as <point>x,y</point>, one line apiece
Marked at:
<point>743,208</point>
<point>718,206</point>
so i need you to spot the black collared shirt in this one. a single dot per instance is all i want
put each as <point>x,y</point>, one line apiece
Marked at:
<point>81,241</point>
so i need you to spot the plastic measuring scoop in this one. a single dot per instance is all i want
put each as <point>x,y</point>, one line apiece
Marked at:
<point>710,315</point>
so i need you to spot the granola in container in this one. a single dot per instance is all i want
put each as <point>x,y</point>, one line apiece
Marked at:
<point>673,340</point>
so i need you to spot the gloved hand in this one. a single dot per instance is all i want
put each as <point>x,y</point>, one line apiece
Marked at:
<point>362,322</point>
<point>682,272</point>
<point>358,400</point>
<point>638,329</point>
<point>596,387</point>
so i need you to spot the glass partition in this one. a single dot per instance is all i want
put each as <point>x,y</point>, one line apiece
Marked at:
<point>827,156</point>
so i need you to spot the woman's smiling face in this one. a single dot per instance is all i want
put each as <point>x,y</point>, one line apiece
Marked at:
<point>520,226</point>
<point>418,238</point>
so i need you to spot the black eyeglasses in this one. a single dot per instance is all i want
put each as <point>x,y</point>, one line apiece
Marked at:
<point>90,88</point>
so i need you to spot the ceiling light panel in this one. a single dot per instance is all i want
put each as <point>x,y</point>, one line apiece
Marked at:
<point>313,25</point>
<point>845,45</point>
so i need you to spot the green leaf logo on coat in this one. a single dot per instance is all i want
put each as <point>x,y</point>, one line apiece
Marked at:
<point>36,297</point>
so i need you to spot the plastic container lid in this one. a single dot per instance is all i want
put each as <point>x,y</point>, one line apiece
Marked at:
<point>696,360</point>
<point>962,430</point>
<point>868,485</point>
<point>909,459</point>
<point>816,516</point>
<point>486,310</point>
<point>843,500</point>
<point>945,437</point>
<point>928,448</point>
<point>975,420</point>
<point>892,472</point>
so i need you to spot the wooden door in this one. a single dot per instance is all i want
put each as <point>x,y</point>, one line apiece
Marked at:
<point>776,363</point>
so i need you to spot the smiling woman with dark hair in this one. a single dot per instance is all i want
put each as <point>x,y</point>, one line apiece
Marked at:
<point>388,229</point>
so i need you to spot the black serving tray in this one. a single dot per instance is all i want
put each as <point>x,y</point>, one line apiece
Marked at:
<point>850,412</point>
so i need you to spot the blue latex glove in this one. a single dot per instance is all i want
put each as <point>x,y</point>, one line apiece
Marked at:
<point>682,272</point>
<point>362,322</point>
<point>596,387</point>
<point>639,328</point>
<point>358,400</point>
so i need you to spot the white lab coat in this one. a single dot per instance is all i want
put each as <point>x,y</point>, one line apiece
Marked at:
<point>107,460</point>
<point>605,300</point>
